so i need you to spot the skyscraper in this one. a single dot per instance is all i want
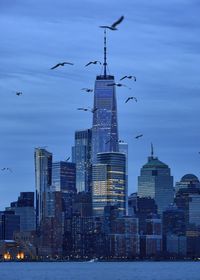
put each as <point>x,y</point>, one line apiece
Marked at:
<point>109,182</point>
<point>81,156</point>
<point>123,148</point>
<point>24,208</point>
<point>105,127</point>
<point>64,176</point>
<point>155,181</point>
<point>43,176</point>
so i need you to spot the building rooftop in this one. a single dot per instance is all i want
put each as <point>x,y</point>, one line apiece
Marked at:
<point>190,178</point>
<point>154,162</point>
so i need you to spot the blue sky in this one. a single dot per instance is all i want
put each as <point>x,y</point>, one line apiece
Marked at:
<point>158,42</point>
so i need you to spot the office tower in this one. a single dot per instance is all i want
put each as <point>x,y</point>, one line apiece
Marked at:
<point>187,181</point>
<point>155,181</point>
<point>105,127</point>
<point>187,198</point>
<point>151,241</point>
<point>9,224</point>
<point>123,148</point>
<point>82,205</point>
<point>174,230</point>
<point>194,209</point>
<point>81,156</point>
<point>24,208</point>
<point>142,208</point>
<point>109,182</point>
<point>64,176</point>
<point>43,176</point>
<point>174,221</point>
<point>51,237</point>
<point>124,238</point>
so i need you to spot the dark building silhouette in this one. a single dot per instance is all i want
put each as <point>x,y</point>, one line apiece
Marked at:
<point>9,224</point>
<point>64,176</point>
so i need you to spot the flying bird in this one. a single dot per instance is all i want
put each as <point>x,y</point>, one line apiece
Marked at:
<point>131,97</point>
<point>93,62</point>
<point>87,89</point>
<point>117,84</point>
<point>92,110</point>
<point>138,136</point>
<point>113,26</point>
<point>128,77</point>
<point>61,64</point>
<point>18,93</point>
<point>82,109</point>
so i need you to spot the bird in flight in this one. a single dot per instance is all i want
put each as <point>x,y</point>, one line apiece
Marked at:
<point>6,168</point>
<point>118,85</point>
<point>18,93</point>
<point>93,62</point>
<point>82,109</point>
<point>62,64</point>
<point>113,26</point>
<point>92,110</point>
<point>87,89</point>
<point>138,136</point>
<point>131,97</point>
<point>128,77</point>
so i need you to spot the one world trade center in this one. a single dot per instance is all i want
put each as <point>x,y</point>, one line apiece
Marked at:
<point>104,127</point>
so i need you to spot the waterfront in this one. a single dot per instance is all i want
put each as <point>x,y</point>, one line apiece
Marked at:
<point>100,270</point>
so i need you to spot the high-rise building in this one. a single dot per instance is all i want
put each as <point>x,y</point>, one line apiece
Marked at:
<point>81,156</point>
<point>109,182</point>
<point>187,181</point>
<point>43,178</point>
<point>105,127</point>
<point>155,181</point>
<point>24,208</point>
<point>9,224</point>
<point>123,148</point>
<point>64,176</point>
<point>142,208</point>
<point>188,198</point>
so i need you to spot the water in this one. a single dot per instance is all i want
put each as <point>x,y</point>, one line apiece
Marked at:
<point>101,271</point>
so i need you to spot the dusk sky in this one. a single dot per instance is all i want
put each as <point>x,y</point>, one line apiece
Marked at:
<point>158,42</point>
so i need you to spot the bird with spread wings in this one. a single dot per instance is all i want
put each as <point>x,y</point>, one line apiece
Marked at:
<point>113,26</point>
<point>61,64</point>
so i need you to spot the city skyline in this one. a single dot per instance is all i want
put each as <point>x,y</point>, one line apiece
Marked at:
<point>162,56</point>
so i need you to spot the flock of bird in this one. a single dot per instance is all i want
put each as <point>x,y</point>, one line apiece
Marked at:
<point>112,27</point>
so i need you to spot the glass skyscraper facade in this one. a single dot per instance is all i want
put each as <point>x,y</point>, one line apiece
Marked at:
<point>81,156</point>
<point>43,177</point>
<point>109,182</point>
<point>155,181</point>
<point>105,127</point>
<point>64,176</point>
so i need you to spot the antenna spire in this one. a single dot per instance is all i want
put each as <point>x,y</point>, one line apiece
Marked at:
<point>105,49</point>
<point>152,150</point>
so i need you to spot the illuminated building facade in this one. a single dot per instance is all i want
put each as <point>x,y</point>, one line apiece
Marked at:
<point>105,126</point>
<point>81,156</point>
<point>123,148</point>
<point>109,182</point>
<point>43,176</point>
